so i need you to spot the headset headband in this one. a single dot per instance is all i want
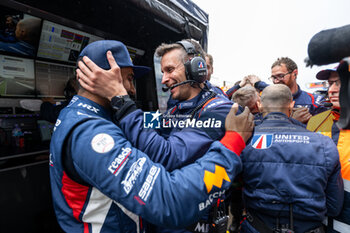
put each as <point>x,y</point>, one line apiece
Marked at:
<point>188,46</point>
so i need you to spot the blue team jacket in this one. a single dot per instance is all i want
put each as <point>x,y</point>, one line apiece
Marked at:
<point>303,99</point>
<point>171,102</point>
<point>122,183</point>
<point>287,164</point>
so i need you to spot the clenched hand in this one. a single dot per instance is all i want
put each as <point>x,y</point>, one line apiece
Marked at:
<point>242,123</point>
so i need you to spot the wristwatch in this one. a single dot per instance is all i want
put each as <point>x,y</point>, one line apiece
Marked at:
<point>118,101</point>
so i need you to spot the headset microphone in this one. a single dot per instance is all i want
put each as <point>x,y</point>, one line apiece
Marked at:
<point>165,89</point>
<point>328,104</point>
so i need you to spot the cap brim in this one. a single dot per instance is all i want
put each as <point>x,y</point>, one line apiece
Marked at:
<point>140,71</point>
<point>324,74</point>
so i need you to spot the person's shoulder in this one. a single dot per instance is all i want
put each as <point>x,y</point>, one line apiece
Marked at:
<point>317,119</point>
<point>218,102</point>
<point>297,123</point>
<point>321,139</point>
<point>330,148</point>
<point>314,98</point>
<point>88,128</point>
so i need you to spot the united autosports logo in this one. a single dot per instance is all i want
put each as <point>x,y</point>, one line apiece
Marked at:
<point>262,141</point>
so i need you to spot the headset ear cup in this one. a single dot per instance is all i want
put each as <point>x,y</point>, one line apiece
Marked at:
<point>195,68</point>
<point>198,69</point>
<point>188,71</point>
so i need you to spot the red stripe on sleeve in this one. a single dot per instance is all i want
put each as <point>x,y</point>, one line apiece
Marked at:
<point>233,141</point>
<point>75,195</point>
<point>312,99</point>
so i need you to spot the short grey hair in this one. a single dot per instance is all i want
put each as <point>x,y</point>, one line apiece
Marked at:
<point>245,96</point>
<point>164,48</point>
<point>276,97</point>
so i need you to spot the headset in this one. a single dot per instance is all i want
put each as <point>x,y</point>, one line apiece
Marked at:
<point>195,67</point>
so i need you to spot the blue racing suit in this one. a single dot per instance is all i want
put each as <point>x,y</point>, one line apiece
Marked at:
<point>121,183</point>
<point>286,166</point>
<point>216,89</point>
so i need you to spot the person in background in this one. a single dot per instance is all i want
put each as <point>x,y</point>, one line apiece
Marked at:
<point>285,71</point>
<point>326,124</point>
<point>210,70</point>
<point>49,109</point>
<point>27,35</point>
<point>101,183</point>
<point>246,81</point>
<point>291,176</point>
<point>210,62</point>
<point>247,96</point>
<point>8,33</point>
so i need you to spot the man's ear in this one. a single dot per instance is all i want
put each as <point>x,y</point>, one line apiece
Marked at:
<point>295,72</point>
<point>291,105</point>
<point>290,108</point>
<point>260,107</point>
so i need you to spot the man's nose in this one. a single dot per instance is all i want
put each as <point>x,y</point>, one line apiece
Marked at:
<point>165,78</point>
<point>132,90</point>
<point>334,88</point>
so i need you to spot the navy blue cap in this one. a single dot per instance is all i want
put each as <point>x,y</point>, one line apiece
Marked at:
<point>97,52</point>
<point>325,74</point>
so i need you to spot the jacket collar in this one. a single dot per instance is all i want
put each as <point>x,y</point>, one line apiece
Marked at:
<point>298,93</point>
<point>335,114</point>
<point>88,106</point>
<point>192,103</point>
<point>275,116</point>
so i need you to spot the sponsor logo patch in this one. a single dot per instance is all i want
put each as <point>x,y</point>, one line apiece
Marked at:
<point>73,100</point>
<point>133,174</point>
<point>102,143</point>
<point>302,106</point>
<point>58,122</point>
<point>50,160</point>
<point>119,162</point>
<point>84,114</point>
<point>216,178</point>
<point>291,138</point>
<point>209,201</point>
<point>202,227</point>
<point>200,64</point>
<point>261,141</point>
<point>318,100</point>
<point>148,184</point>
<point>89,107</point>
